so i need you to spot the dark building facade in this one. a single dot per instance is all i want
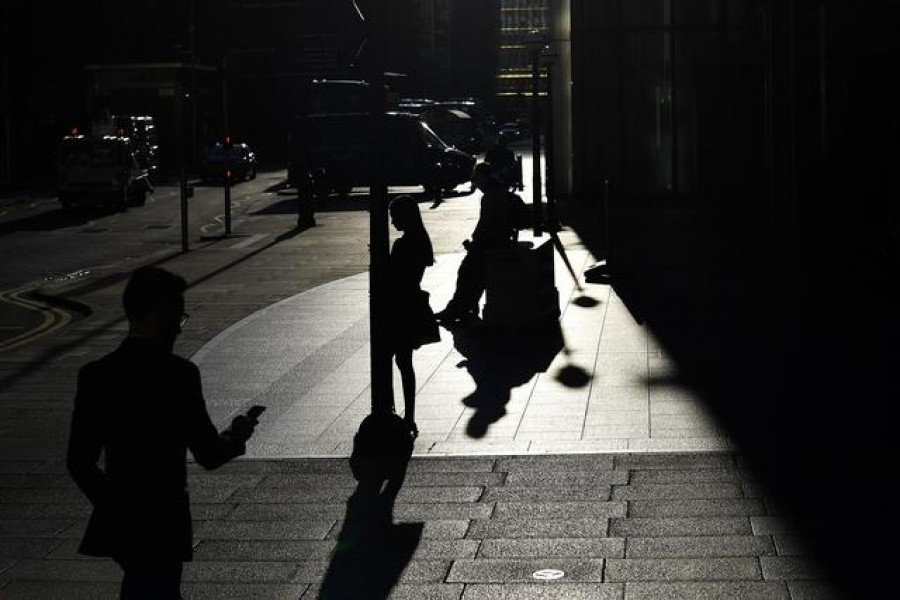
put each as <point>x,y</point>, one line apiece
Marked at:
<point>522,24</point>
<point>474,49</point>
<point>780,106</point>
<point>750,151</point>
<point>245,65</point>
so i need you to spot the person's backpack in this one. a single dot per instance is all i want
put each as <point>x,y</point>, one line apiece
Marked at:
<point>381,447</point>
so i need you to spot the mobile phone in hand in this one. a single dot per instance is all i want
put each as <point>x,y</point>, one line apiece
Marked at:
<point>255,411</point>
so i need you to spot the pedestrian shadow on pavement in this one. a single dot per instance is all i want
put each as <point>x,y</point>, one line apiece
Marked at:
<point>500,360</point>
<point>372,551</point>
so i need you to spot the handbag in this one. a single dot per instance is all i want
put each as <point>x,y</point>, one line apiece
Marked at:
<point>427,327</point>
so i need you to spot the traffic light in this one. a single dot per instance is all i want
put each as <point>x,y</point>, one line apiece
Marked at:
<point>227,142</point>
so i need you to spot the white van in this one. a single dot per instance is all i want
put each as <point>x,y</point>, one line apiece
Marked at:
<point>100,171</point>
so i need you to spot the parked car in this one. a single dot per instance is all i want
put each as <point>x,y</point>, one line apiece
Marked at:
<point>332,152</point>
<point>100,171</point>
<point>239,158</point>
<point>453,126</point>
<point>512,131</point>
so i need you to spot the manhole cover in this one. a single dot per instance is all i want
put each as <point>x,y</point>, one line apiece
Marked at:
<point>548,574</point>
<point>157,226</point>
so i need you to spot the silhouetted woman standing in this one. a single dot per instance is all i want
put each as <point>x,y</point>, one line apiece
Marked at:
<point>412,321</point>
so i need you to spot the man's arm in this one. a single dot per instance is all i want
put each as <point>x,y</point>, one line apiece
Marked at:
<point>86,442</point>
<point>211,448</point>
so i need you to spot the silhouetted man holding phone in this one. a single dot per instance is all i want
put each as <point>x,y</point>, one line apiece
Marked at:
<point>143,408</point>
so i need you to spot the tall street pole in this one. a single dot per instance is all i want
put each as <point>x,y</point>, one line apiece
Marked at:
<point>536,137</point>
<point>226,146</point>
<point>183,187</point>
<point>379,241</point>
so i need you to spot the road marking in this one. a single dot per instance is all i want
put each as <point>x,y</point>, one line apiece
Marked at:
<point>250,240</point>
<point>210,229</point>
<point>54,318</point>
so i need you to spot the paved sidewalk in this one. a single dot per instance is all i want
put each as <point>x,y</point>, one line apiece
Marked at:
<point>650,508</point>
<point>611,527</point>
<point>306,358</point>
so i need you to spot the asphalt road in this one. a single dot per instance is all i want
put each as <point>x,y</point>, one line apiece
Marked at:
<point>44,245</point>
<point>40,240</point>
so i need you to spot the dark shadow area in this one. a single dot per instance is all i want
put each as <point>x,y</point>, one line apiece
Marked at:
<point>500,360</point>
<point>791,343</point>
<point>372,551</point>
<point>55,219</point>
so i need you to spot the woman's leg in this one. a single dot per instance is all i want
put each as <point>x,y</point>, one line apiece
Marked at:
<point>404,361</point>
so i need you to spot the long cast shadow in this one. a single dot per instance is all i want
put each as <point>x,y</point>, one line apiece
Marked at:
<point>500,360</point>
<point>372,551</point>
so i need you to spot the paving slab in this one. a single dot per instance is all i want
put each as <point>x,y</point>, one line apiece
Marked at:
<point>543,591</point>
<point>790,568</point>
<point>707,591</point>
<point>519,571</point>
<point>700,547</point>
<point>241,591</point>
<point>70,590</point>
<point>682,569</point>
<point>524,527</point>
<point>557,547</point>
<point>697,507</point>
<point>679,526</point>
